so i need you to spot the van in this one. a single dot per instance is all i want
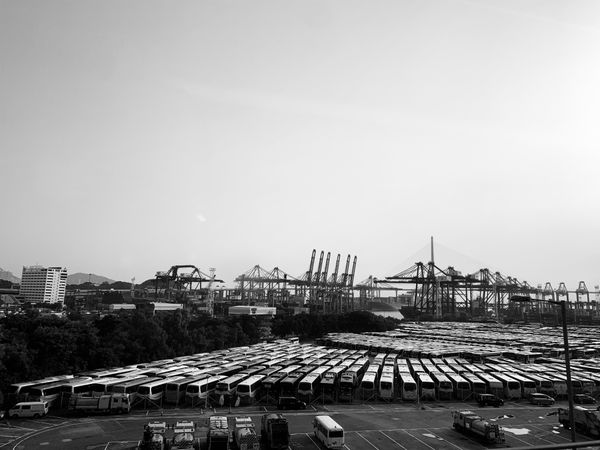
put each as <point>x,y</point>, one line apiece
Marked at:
<point>28,409</point>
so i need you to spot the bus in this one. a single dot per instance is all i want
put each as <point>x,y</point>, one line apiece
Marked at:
<point>130,386</point>
<point>154,390</point>
<point>328,432</point>
<point>330,383</point>
<point>348,382</point>
<point>101,386</point>
<point>289,385</point>
<point>512,387</point>
<point>386,386</point>
<point>443,386</point>
<point>308,387</point>
<point>248,389</point>
<point>17,392</point>
<point>175,390</point>
<point>228,386</point>
<point>477,384</point>
<point>408,387</point>
<point>426,386</point>
<point>51,392</point>
<point>461,386</point>
<point>492,384</point>
<point>368,385</point>
<point>528,385</point>
<point>200,390</point>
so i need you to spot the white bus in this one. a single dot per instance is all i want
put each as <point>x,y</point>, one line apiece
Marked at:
<point>386,386</point>
<point>492,384</point>
<point>408,387</point>
<point>130,386</point>
<point>155,390</point>
<point>443,386</point>
<point>308,387</point>
<point>175,390</point>
<point>426,386</point>
<point>200,390</point>
<point>248,389</point>
<point>462,387</point>
<point>512,387</point>
<point>368,385</point>
<point>228,385</point>
<point>328,432</point>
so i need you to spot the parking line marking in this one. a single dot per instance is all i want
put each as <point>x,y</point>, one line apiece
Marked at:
<point>311,440</point>
<point>369,442</point>
<point>422,442</point>
<point>394,441</point>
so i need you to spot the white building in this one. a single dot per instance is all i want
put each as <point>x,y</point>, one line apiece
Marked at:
<point>44,284</point>
<point>252,311</point>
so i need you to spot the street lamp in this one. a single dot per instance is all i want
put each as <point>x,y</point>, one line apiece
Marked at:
<point>563,309</point>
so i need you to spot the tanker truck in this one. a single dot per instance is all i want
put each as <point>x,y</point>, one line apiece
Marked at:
<point>468,422</point>
<point>107,404</point>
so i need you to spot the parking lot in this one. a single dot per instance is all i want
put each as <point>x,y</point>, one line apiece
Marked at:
<point>368,426</point>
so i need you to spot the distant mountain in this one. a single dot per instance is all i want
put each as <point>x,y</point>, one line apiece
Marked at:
<point>80,278</point>
<point>8,276</point>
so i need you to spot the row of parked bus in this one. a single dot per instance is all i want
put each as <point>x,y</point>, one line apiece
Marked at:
<point>268,371</point>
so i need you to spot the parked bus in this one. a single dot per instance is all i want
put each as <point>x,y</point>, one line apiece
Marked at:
<point>492,384</point>
<point>462,388</point>
<point>528,385</point>
<point>308,388</point>
<point>198,391</point>
<point>101,386</point>
<point>386,386</point>
<point>228,386</point>
<point>443,386</point>
<point>426,386</point>
<point>154,390</point>
<point>477,384</point>
<point>330,383</point>
<point>367,386</point>
<point>51,392</point>
<point>347,385</point>
<point>17,392</point>
<point>249,388</point>
<point>288,387</point>
<point>130,386</point>
<point>176,389</point>
<point>328,432</point>
<point>512,387</point>
<point>408,387</point>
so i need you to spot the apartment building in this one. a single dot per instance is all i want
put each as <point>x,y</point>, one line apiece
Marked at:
<point>43,284</point>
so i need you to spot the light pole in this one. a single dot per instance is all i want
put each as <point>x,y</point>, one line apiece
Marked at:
<point>563,309</point>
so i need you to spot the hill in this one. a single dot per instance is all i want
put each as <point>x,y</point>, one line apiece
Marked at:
<point>8,276</point>
<point>80,278</point>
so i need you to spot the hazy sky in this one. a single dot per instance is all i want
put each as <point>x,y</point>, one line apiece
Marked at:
<point>141,134</point>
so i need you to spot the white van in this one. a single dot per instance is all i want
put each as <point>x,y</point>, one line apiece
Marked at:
<point>28,409</point>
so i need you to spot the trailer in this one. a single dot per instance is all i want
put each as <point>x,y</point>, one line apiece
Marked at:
<point>468,422</point>
<point>105,404</point>
<point>218,433</point>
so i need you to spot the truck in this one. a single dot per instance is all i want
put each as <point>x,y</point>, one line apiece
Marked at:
<point>275,432</point>
<point>154,437</point>
<point>468,422</point>
<point>244,434</point>
<point>105,404</point>
<point>218,433</point>
<point>183,436</point>
<point>587,421</point>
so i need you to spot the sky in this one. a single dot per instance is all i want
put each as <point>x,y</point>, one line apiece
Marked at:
<point>143,134</point>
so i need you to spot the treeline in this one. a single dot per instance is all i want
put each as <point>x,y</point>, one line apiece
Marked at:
<point>34,346</point>
<point>313,326</point>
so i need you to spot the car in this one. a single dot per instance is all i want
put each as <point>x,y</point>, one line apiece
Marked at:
<point>584,399</point>
<point>489,399</point>
<point>290,403</point>
<point>541,399</point>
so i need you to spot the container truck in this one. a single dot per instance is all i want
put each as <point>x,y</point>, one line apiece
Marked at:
<point>105,404</point>
<point>470,423</point>
<point>275,432</point>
